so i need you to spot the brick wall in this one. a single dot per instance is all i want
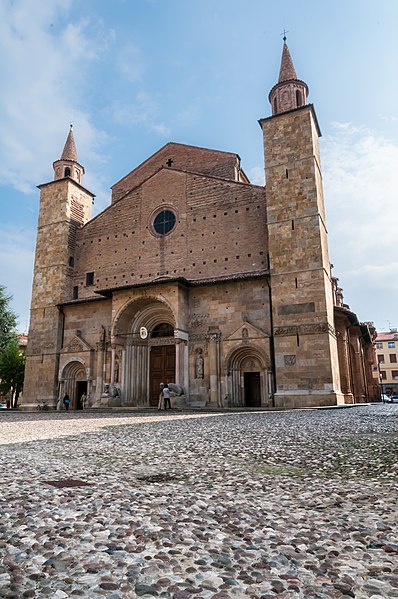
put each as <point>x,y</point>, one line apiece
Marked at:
<point>182,157</point>
<point>220,231</point>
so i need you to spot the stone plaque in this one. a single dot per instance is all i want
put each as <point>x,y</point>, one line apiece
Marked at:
<point>289,360</point>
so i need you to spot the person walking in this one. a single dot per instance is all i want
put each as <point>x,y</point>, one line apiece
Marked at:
<point>66,401</point>
<point>166,396</point>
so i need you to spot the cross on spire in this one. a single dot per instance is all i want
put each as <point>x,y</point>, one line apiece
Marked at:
<point>284,34</point>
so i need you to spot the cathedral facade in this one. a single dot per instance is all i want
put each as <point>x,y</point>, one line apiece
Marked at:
<point>196,277</point>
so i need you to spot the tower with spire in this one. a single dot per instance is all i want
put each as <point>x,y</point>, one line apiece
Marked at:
<point>68,165</point>
<point>305,347</point>
<point>290,92</point>
<point>65,206</point>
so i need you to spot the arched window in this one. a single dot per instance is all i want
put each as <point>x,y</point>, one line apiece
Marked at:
<point>67,172</point>
<point>163,329</point>
<point>299,100</point>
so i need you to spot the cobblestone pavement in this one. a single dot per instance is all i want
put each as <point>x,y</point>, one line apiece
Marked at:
<point>296,504</point>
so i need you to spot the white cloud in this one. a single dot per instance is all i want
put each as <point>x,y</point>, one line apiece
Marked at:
<point>361,182</point>
<point>142,109</point>
<point>43,86</point>
<point>16,265</point>
<point>130,63</point>
<point>256,175</point>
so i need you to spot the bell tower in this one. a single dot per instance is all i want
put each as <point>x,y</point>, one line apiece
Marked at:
<point>65,206</point>
<point>290,92</point>
<point>306,361</point>
<point>67,165</point>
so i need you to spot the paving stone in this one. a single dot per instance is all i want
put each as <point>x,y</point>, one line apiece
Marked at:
<point>288,504</point>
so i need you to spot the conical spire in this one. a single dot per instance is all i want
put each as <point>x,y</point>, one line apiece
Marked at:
<point>290,92</point>
<point>67,165</point>
<point>287,70</point>
<point>69,151</point>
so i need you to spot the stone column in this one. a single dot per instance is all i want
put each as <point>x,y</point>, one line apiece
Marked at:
<point>185,380</point>
<point>113,355</point>
<point>100,371</point>
<point>214,368</point>
<point>177,374</point>
<point>357,366</point>
<point>344,362</point>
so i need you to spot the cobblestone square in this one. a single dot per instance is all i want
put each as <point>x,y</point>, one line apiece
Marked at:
<point>299,504</point>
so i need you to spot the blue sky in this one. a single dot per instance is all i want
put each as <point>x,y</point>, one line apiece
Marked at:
<point>134,74</point>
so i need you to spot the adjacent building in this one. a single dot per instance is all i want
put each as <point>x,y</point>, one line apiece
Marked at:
<point>387,352</point>
<point>197,277</point>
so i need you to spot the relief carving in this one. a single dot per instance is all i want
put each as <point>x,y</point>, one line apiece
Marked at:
<point>199,338</point>
<point>305,329</point>
<point>292,330</point>
<point>75,346</point>
<point>198,320</point>
<point>289,360</point>
<point>213,336</point>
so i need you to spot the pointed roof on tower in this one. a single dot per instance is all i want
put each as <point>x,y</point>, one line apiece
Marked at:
<point>68,165</point>
<point>290,92</point>
<point>69,151</point>
<point>287,70</point>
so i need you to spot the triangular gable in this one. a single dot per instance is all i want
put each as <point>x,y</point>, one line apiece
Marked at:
<point>246,331</point>
<point>76,345</point>
<point>184,158</point>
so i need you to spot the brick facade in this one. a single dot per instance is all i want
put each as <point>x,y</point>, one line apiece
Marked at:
<point>196,277</point>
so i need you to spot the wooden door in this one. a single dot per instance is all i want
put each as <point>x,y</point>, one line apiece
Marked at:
<point>163,365</point>
<point>252,389</point>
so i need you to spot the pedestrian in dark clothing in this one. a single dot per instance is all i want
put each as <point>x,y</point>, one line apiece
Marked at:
<point>66,401</point>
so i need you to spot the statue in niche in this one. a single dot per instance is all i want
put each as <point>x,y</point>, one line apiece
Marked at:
<point>199,365</point>
<point>101,337</point>
<point>245,333</point>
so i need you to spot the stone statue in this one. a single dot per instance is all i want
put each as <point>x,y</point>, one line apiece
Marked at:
<point>199,365</point>
<point>176,389</point>
<point>113,391</point>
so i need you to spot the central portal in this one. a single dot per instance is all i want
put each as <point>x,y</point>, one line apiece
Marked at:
<point>162,369</point>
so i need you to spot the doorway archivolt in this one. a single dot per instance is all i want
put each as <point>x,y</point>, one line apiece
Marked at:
<point>247,377</point>
<point>144,330</point>
<point>73,382</point>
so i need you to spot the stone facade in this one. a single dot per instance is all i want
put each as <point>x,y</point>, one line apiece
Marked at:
<point>193,276</point>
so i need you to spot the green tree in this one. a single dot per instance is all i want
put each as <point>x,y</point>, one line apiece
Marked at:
<point>12,370</point>
<point>8,319</point>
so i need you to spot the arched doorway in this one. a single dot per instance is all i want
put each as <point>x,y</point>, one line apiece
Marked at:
<point>162,360</point>
<point>247,378</point>
<point>145,329</point>
<point>74,383</point>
